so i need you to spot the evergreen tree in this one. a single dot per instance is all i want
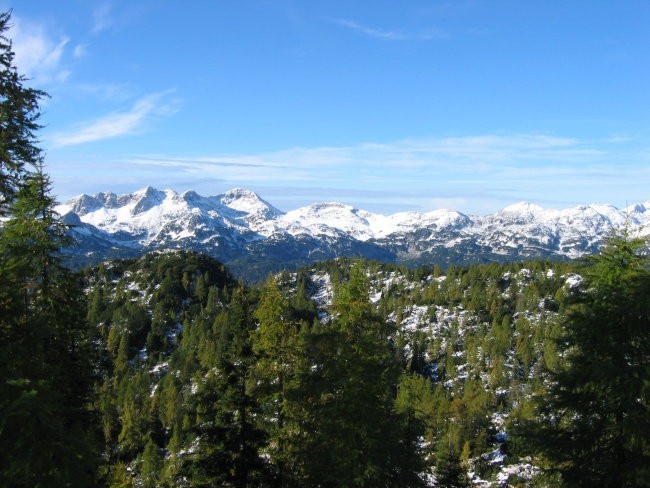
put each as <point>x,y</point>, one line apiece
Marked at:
<point>355,436</point>
<point>151,465</point>
<point>228,451</point>
<point>595,427</point>
<point>45,371</point>
<point>278,353</point>
<point>19,115</point>
<point>449,470</point>
<point>45,363</point>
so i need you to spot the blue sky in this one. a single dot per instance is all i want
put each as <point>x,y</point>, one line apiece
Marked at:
<point>387,106</point>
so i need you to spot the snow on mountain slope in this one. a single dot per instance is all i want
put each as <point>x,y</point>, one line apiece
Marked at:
<point>327,218</point>
<point>322,218</point>
<point>150,214</point>
<point>250,203</point>
<point>228,225</point>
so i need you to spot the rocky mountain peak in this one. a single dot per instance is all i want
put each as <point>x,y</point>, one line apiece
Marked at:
<point>249,202</point>
<point>240,227</point>
<point>146,199</point>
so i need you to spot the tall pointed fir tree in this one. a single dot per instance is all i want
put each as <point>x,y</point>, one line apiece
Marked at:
<point>595,421</point>
<point>229,441</point>
<point>45,373</point>
<point>19,114</point>
<point>276,345</point>
<point>354,434</point>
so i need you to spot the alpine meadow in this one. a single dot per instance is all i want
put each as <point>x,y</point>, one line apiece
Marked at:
<point>164,339</point>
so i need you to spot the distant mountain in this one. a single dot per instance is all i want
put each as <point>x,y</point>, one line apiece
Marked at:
<point>254,238</point>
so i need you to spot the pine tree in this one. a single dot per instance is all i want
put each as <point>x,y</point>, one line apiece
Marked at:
<point>354,435</point>
<point>278,352</point>
<point>46,369</point>
<point>595,427</point>
<point>228,452</point>
<point>19,115</point>
<point>46,433</point>
<point>151,464</point>
<point>449,469</point>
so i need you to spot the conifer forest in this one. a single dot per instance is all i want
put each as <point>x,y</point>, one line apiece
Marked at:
<point>167,371</point>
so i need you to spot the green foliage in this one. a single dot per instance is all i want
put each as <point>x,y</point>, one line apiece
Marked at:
<point>275,377</point>
<point>596,419</point>
<point>47,430</point>
<point>152,320</point>
<point>227,453</point>
<point>353,434</point>
<point>449,470</point>
<point>151,465</point>
<point>220,384</point>
<point>19,115</point>
<point>200,381</point>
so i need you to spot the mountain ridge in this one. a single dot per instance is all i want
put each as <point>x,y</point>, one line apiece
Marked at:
<point>242,229</point>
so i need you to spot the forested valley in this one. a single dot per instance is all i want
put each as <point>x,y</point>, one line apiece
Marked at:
<point>166,371</point>
<point>352,373</point>
<point>348,373</point>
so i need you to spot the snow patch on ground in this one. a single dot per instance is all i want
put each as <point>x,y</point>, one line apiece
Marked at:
<point>323,294</point>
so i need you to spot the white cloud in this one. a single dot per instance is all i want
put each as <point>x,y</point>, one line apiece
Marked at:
<point>389,34</point>
<point>458,160</point>
<point>113,92</point>
<point>472,174</point>
<point>102,17</point>
<point>369,31</point>
<point>79,51</point>
<point>39,54</point>
<point>118,123</point>
<point>237,168</point>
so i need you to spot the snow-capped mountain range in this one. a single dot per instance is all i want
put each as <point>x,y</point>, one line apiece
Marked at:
<point>254,237</point>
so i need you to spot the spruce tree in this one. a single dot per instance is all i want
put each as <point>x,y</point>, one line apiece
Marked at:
<point>354,434</point>
<point>151,465</point>
<point>595,421</point>
<point>47,376</point>
<point>45,370</point>
<point>229,442</point>
<point>278,354</point>
<point>19,115</point>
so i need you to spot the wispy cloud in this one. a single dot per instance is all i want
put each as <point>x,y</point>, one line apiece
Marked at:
<point>472,174</point>
<point>390,35</point>
<point>455,160</point>
<point>39,53</point>
<point>227,168</point>
<point>102,18</point>
<point>201,162</point>
<point>113,92</point>
<point>118,123</point>
<point>79,51</point>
